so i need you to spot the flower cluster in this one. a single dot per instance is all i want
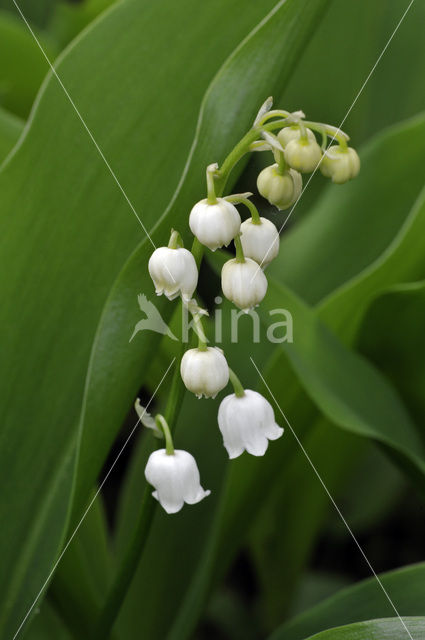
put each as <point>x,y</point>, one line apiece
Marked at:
<point>245,418</point>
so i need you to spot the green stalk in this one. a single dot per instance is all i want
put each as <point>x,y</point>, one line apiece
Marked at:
<point>239,251</point>
<point>236,384</point>
<point>163,425</point>
<point>240,199</point>
<point>124,577</point>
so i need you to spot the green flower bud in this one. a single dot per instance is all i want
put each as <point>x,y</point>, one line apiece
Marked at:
<point>279,189</point>
<point>287,134</point>
<point>303,155</point>
<point>339,163</point>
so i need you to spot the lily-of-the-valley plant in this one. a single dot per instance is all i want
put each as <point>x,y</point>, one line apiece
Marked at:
<point>245,418</point>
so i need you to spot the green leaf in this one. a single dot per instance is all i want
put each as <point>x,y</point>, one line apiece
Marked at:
<point>403,261</point>
<point>68,19</point>
<point>84,573</point>
<point>10,129</point>
<point>56,290</point>
<point>387,629</point>
<point>392,336</point>
<point>26,67</point>
<point>362,601</point>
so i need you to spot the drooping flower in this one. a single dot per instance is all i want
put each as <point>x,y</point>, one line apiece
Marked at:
<point>215,225</point>
<point>260,242</point>
<point>293,132</point>
<point>303,154</point>
<point>280,189</point>
<point>173,272</point>
<point>205,372</point>
<point>243,283</point>
<point>175,478</point>
<point>341,164</point>
<point>247,423</point>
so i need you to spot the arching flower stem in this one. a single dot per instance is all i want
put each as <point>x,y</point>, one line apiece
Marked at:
<point>163,425</point>
<point>239,251</point>
<point>236,384</point>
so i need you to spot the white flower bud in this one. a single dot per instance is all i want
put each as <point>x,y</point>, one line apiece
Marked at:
<point>260,241</point>
<point>247,424</point>
<point>215,225</point>
<point>204,372</point>
<point>281,190</point>
<point>243,283</point>
<point>287,134</point>
<point>340,164</point>
<point>303,155</point>
<point>173,272</point>
<point>175,478</point>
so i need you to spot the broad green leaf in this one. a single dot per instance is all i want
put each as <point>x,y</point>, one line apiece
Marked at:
<point>21,76</point>
<point>84,573</point>
<point>392,336</point>
<point>386,629</point>
<point>10,129</point>
<point>363,601</point>
<point>68,19</point>
<point>403,261</point>
<point>70,233</point>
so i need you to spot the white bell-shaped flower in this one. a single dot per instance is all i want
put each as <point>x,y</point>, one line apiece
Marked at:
<point>247,424</point>
<point>215,225</point>
<point>303,154</point>
<point>340,164</point>
<point>175,478</point>
<point>280,189</point>
<point>205,372</point>
<point>173,272</point>
<point>260,241</point>
<point>243,283</point>
<point>293,132</point>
